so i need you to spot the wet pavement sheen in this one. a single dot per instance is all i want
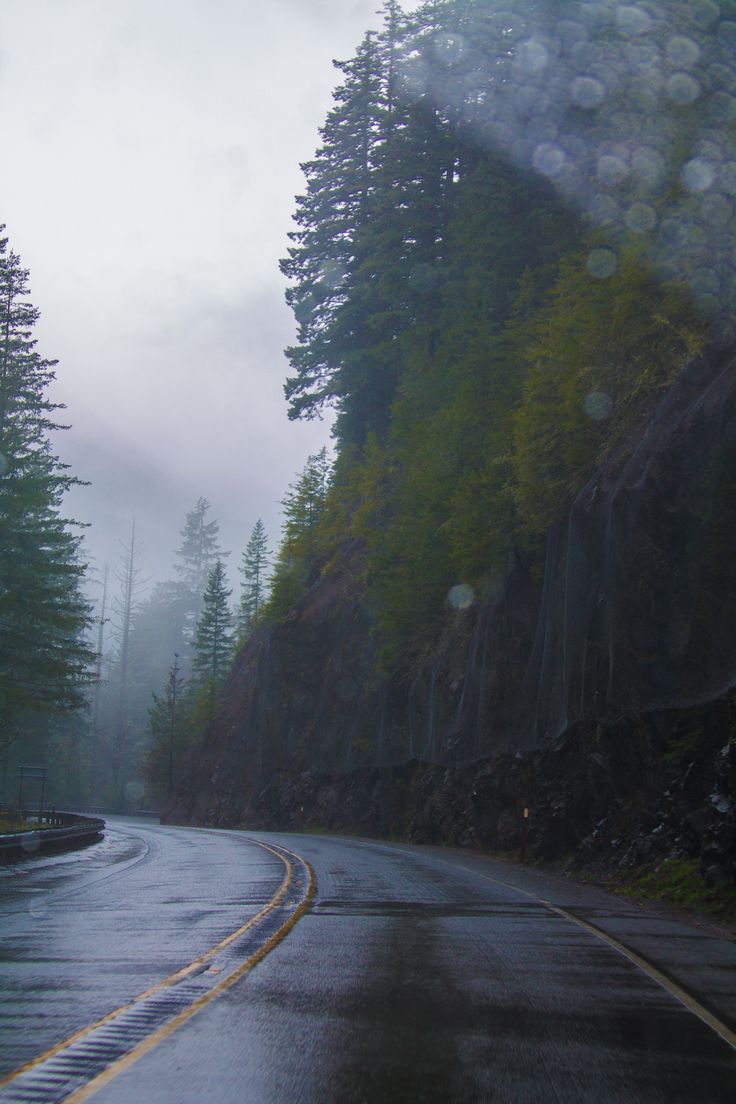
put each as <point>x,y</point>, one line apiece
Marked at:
<point>417,976</point>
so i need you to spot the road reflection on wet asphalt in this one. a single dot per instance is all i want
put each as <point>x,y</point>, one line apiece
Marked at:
<point>416,976</point>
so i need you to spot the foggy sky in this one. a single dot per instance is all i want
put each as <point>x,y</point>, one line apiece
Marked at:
<point>151,155</point>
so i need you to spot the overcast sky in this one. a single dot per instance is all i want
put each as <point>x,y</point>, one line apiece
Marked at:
<point>151,155</point>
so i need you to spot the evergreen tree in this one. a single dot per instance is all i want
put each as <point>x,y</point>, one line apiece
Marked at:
<point>213,646</point>
<point>167,734</point>
<point>300,539</point>
<point>45,662</point>
<point>197,554</point>
<point>329,216</point>
<point>124,608</point>
<point>253,588</point>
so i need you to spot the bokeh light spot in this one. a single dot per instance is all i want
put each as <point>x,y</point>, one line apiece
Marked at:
<point>31,842</point>
<point>602,263</point>
<point>532,57</point>
<point>332,274</point>
<point>683,52</point>
<point>612,169</point>
<point>697,175</point>
<point>641,218</point>
<point>648,167</point>
<point>133,790</point>
<point>449,48</point>
<point>461,597</point>
<point>633,20</point>
<point>549,159</point>
<point>682,89</point>
<point>598,406</point>
<point>588,92</point>
<point>704,13</point>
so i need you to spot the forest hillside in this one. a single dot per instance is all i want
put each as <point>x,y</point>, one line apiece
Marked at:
<point>513,277</point>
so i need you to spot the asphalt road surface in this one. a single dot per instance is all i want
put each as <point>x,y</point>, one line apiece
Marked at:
<point>177,965</point>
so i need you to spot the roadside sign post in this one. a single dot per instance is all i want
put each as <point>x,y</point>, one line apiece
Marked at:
<point>38,774</point>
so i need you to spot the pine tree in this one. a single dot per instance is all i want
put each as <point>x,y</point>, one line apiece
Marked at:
<point>213,646</point>
<point>300,544</point>
<point>167,733</point>
<point>197,554</point>
<point>45,661</point>
<point>124,608</point>
<point>253,588</point>
<point>329,215</point>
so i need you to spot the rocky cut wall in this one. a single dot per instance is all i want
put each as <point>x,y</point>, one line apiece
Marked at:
<point>636,614</point>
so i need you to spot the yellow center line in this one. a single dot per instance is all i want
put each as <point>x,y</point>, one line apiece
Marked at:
<point>156,1037</point>
<point>172,979</point>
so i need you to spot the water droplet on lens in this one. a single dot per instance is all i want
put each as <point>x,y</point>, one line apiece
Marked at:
<point>611,170</point>
<point>449,48</point>
<point>683,52</point>
<point>708,305</point>
<point>332,274</point>
<point>633,20</point>
<point>549,159</point>
<point>531,57</point>
<point>602,263</point>
<point>133,790</point>
<point>682,89</point>
<point>648,166</point>
<point>605,211</point>
<point>587,92</point>
<point>697,175</point>
<point>461,597</point>
<point>641,218</point>
<point>598,406</point>
<point>703,12</point>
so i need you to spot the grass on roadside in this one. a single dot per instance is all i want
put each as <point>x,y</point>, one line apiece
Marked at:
<point>680,882</point>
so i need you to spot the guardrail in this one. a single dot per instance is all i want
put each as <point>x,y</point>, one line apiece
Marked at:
<point>62,831</point>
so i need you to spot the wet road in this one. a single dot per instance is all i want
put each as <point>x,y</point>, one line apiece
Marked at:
<point>415,974</point>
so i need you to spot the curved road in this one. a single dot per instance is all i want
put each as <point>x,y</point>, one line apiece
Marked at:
<point>279,968</point>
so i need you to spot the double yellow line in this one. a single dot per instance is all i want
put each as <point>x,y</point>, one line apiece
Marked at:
<point>171,1025</point>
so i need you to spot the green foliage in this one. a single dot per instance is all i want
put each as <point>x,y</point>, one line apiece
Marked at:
<point>44,659</point>
<point>197,555</point>
<point>169,734</point>
<point>598,353</point>
<point>213,644</point>
<point>301,540</point>
<point>483,348</point>
<point>253,591</point>
<point>679,881</point>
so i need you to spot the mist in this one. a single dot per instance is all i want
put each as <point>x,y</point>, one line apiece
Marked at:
<point>152,157</point>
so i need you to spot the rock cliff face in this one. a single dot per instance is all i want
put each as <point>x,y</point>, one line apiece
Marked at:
<point>598,695</point>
